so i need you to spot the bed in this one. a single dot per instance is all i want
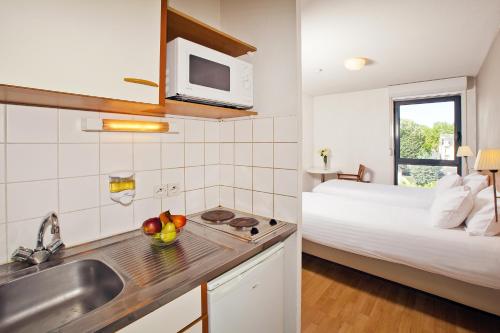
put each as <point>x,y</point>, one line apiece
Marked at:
<point>381,193</point>
<point>395,242</point>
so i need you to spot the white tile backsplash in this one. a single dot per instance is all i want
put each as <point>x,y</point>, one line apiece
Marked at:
<point>194,178</point>
<point>172,155</point>
<point>211,197</point>
<point>176,126</point>
<point>243,177</point>
<point>243,154</point>
<point>3,215</point>
<point>2,163</point>
<point>227,175</point>
<point>78,189</point>
<point>243,131</point>
<point>173,176</point>
<point>227,131</point>
<point>28,124</point>
<point>116,219</point>
<point>175,204</point>
<point>31,199</point>
<point>263,179</point>
<point>2,123</point>
<point>212,133</point>
<point>285,129</point>
<point>194,130</point>
<point>285,155</point>
<point>70,127</point>
<point>285,182</point>
<point>227,196</point>
<point>145,183</point>
<point>263,130</point>
<point>243,200</point>
<point>116,157</point>
<point>263,155</point>
<point>78,160</point>
<point>212,153</point>
<point>263,204</point>
<point>78,193</point>
<point>195,201</point>
<point>145,209</point>
<point>227,153</point>
<point>80,227</point>
<point>147,156</point>
<point>27,162</point>
<point>194,154</point>
<point>212,175</point>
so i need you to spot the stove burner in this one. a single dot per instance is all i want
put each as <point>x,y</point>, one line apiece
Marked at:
<point>217,216</point>
<point>243,222</point>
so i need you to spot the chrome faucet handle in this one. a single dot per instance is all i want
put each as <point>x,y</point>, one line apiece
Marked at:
<point>55,230</point>
<point>41,253</point>
<point>22,254</point>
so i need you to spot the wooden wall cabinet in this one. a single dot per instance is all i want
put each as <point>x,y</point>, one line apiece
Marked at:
<point>82,47</point>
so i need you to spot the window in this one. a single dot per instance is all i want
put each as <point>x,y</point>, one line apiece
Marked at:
<point>427,133</point>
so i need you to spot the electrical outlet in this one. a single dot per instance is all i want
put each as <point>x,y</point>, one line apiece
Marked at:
<point>160,191</point>
<point>173,189</point>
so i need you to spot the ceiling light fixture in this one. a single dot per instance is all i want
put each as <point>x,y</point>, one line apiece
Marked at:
<point>355,64</point>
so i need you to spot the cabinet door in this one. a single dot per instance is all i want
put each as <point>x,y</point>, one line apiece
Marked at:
<point>82,46</point>
<point>196,328</point>
<point>171,317</point>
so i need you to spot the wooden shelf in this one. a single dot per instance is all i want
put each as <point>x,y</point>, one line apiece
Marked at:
<point>46,98</point>
<point>187,27</point>
<point>205,111</point>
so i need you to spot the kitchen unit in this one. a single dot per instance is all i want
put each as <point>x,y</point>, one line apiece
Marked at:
<point>107,56</point>
<point>153,289</point>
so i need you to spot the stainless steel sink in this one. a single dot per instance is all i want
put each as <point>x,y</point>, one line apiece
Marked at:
<point>53,297</point>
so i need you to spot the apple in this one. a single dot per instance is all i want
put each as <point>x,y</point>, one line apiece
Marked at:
<point>152,226</point>
<point>179,221</point>
<point>165,217</point>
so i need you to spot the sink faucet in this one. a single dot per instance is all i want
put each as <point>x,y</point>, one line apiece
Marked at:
<point>41,253</point>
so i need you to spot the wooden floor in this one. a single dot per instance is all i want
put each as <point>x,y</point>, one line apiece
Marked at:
<point>340,299</point>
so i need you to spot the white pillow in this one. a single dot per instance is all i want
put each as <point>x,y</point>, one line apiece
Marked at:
<point>448,182</point>
<point>451,207</point>
<point>481,221</point>
<point>476,181</point>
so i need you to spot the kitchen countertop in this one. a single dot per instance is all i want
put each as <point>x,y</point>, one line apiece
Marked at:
<point>148,283</point>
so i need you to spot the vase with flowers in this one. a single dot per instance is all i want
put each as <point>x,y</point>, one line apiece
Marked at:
<point>324,152</point>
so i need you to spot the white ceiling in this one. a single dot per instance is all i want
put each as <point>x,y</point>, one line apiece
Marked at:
<point>407,40</point>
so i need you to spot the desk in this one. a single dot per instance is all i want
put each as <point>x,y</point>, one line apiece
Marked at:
<point>321,171</point>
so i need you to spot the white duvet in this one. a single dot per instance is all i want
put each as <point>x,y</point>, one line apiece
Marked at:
<point>401,235</point>
<point>381,193</point>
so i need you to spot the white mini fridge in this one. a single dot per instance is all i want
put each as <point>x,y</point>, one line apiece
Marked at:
<point>249,298</point>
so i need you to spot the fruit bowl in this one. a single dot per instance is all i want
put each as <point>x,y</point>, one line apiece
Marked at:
<point>165,229</point>
<point>156,239</point>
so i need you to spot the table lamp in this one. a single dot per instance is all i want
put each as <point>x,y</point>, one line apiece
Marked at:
<point>489,159</point>
<point>465,151</point>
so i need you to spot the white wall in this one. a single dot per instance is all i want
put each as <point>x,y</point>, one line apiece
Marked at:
<point>356,128</point>
<point>488,99</point>
<point>271,26</point>
<point>308,181</point>
<point>207,11</point>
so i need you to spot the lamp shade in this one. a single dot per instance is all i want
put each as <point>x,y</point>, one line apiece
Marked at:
<point>464,151</point>
<point>488,159</point>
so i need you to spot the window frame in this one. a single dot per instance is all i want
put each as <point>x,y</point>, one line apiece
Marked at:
<point>456,162</point>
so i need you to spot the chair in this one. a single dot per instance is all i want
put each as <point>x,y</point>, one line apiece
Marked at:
<point>354,177</point>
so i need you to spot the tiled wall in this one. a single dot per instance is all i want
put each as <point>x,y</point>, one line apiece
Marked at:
<point>258,165</point>
<point>47,163</point>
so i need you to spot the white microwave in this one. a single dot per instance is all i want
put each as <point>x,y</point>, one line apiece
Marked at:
<point>196,73</point>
